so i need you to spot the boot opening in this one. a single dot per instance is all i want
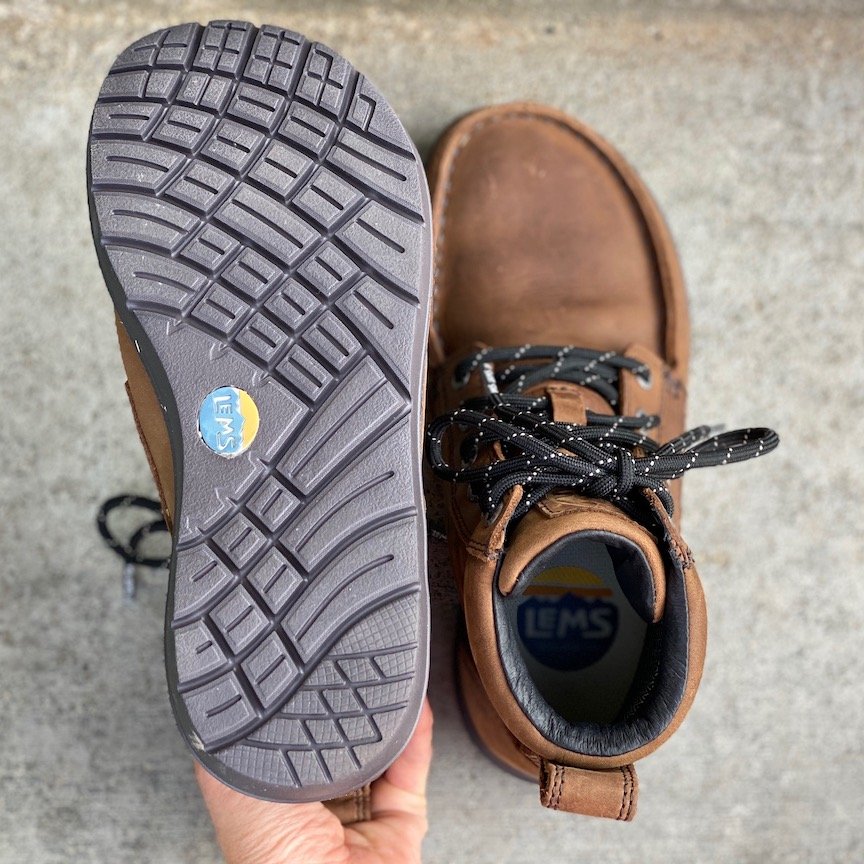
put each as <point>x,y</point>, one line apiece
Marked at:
<point>578,617</point>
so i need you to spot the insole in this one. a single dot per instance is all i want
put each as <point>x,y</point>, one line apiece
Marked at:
<point>578,634</point>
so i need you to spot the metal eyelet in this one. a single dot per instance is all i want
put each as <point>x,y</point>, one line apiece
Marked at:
<point>459,383</point>
<point>493,517</point>
<point>644,377</point>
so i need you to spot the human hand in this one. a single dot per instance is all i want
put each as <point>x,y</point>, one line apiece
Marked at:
<point>250,831</point>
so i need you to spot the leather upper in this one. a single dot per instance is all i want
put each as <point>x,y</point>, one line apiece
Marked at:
<point>545,235</point>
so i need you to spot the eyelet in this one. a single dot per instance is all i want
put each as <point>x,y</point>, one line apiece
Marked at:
<point>458,383</point>
<point>466,458</point>
<point>493,517</point>
<point>645,378</point>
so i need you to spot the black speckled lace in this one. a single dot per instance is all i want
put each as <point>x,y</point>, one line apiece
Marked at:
<point>130,550</point>
<point>610,457</point>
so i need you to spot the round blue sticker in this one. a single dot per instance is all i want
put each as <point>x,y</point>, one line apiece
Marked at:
<point>228,421</point>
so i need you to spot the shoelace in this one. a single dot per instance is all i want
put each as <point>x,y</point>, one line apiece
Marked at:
<point>596,460</point>
<point>130,550</point>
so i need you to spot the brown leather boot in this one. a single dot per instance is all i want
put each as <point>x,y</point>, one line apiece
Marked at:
<point>584,614</point>
<point>263,225</point>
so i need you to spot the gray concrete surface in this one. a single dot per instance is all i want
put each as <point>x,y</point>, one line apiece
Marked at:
<point>747,120</point>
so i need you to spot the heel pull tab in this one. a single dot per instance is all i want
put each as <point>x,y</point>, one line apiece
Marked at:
<point>610,793</point>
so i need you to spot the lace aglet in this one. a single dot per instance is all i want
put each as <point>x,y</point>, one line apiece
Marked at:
<point>716,429</point>
<point>129,581</point>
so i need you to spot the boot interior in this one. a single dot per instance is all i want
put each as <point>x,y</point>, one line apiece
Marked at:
<point>577,622</point>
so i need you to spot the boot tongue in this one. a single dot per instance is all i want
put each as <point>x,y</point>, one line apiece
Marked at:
<point>530,558</point>
<point>569,402</point>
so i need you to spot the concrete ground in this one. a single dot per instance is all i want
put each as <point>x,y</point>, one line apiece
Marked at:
<point>747,120</point>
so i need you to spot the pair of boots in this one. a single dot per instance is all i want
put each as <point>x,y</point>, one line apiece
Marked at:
<point>263,223</point>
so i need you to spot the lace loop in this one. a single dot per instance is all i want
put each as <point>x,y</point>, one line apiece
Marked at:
<point>610,457</point>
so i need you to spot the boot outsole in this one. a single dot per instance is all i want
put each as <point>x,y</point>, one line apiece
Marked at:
<point>263,224</point>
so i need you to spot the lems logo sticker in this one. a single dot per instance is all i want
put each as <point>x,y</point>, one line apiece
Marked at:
<point>228,421</point>
<point>565,623</point>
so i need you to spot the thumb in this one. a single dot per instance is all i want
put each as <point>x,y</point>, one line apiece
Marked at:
<point>402,789</point>
<point>250,831</point>
<point>398,804</point>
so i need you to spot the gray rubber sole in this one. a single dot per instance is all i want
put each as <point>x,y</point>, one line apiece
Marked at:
<point>263,223</point>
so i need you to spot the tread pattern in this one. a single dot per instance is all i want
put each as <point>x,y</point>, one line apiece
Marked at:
<point>261,216</point>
